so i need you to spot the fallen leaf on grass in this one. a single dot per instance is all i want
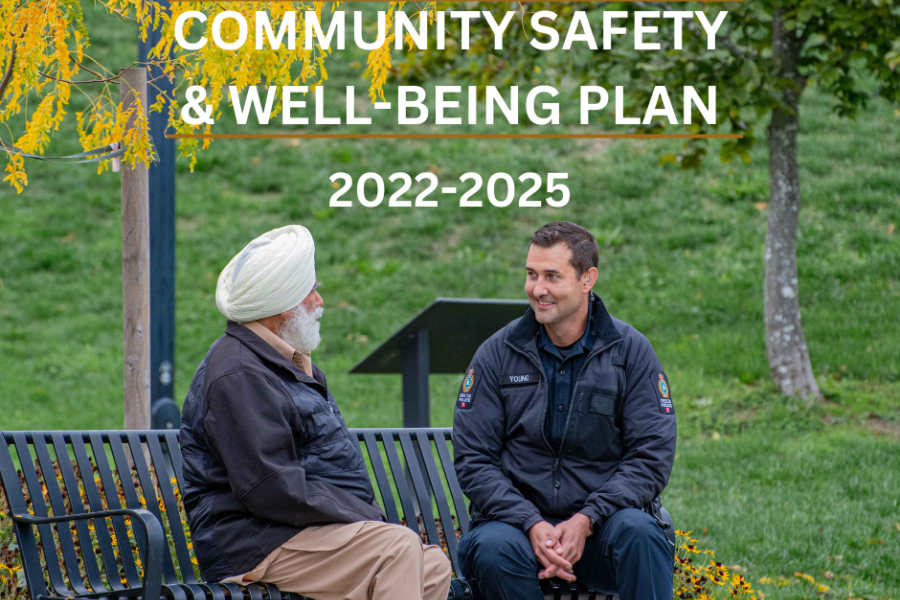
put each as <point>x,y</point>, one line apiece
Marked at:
<point>808,578</point>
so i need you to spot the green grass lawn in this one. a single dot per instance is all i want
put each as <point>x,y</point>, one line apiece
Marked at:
<point>767,483</point>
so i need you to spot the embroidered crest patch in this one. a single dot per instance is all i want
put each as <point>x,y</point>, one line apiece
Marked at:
<point>663,393</point>
<point>467,388</point>
<point>469,381</point>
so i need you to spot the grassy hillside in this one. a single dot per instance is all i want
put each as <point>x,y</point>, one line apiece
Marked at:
<point>766,482</point>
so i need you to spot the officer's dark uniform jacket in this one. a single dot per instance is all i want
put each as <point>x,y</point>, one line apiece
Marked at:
<point>266,453</point>
<point>619,440</point>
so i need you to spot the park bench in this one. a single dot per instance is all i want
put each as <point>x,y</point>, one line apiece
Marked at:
<point>92,510</point>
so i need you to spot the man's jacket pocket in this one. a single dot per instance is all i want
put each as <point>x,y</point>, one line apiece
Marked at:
<point>603,403</point>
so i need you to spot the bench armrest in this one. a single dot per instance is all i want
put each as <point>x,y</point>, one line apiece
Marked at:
<point>156,539</point>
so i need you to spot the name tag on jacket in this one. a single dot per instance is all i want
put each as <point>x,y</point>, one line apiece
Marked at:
<point>519,378</point>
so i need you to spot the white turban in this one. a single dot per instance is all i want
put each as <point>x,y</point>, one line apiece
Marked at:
<point>271,275</point>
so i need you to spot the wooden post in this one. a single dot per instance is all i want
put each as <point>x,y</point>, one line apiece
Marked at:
<point>136,268</point>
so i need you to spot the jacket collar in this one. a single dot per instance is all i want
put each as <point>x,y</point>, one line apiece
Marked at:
<point>272,356</point>
<point>528,328</point>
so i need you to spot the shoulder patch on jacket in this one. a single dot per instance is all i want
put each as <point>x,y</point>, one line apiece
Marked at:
<point>663,393</point>
<point>467,388</point>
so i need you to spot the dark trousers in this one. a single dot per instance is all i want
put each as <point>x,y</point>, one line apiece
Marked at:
<point>629,556</point>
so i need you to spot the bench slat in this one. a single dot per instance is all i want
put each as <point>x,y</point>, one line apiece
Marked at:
<point>149,490</point>
<point>234,591</point>
<point>176,529</point>
<point>381,477</point>
<point>191,591</point>
<point>441,439</point>
<point>111,492</point>
<point>437,487</point>
<point>63,532</point>
<point>409,512</point>
<point>73,491</point>
<point>255,591</point>
<point>73,487</point>
<point>419,487</point>
<point>272,592</point>
<point>128,489</point>
<point>29,552</point>
<point>212,591</point>
<point>48,543</point>
<point>174,453</point>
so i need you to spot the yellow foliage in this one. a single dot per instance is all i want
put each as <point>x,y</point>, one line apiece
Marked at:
<point>43,42</point>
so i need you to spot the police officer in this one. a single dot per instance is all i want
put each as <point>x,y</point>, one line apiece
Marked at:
<point>564,437</point>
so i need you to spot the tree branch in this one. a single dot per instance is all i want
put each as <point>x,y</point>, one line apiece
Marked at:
<point>72,58</point>
<point>78,82</point>
<point>9,69</point>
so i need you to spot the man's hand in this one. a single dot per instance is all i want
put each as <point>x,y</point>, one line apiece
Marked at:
<point>544,538</point>
<point>571,536</point>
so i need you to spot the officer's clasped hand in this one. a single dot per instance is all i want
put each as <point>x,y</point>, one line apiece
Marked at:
<point>545,539</point>
<point>572,535</point>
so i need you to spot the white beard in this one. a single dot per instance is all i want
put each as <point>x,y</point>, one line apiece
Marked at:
<point>301,330</point>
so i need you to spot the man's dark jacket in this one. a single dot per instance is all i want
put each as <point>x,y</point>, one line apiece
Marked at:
<point>266,453</point>
<point>619,441</point>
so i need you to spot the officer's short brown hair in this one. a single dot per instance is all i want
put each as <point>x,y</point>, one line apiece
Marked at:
<point>577,239</point>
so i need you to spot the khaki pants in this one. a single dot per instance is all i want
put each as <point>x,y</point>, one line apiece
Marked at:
<point>368,560</point>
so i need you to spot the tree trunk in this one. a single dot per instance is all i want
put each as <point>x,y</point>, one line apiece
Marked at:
<point>785,343</point>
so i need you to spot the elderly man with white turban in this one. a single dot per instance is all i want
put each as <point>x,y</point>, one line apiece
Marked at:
<point>276,486</point>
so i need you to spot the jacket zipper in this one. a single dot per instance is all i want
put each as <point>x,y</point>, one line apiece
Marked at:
<point>558,454</point>
<point>562,442</point>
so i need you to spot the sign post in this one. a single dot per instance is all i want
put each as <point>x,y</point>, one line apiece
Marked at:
<point>440,339</point>
<point>164,411</point>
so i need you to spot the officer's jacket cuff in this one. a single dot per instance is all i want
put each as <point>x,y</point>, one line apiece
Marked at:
<point>530,521</point>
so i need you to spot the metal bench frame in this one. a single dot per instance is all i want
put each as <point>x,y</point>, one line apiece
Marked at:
<point>412,468</point>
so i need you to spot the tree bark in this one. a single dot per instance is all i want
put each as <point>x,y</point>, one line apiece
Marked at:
<point>785,344</point>
<point>135,267</point>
